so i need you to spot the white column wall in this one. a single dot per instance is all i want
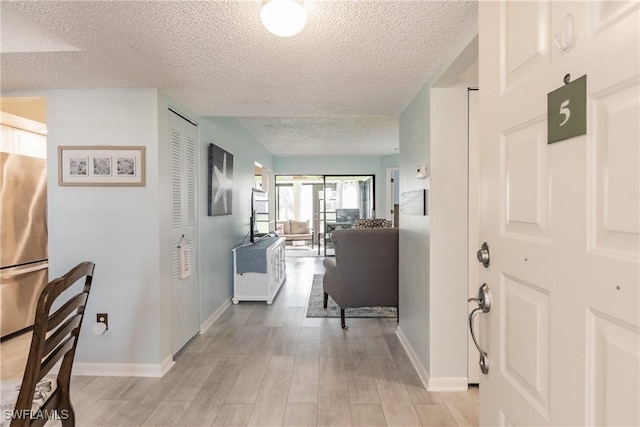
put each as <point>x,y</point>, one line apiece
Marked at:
<point>115,227</point>
<point>415,234</point>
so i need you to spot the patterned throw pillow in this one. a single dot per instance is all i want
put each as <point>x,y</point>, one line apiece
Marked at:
<point>373,223</point>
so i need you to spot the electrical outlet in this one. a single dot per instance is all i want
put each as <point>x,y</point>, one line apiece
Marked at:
<point>104,318</point>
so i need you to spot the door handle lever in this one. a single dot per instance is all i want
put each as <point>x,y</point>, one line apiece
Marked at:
<point>484,306</point>
<point>484,360</point>
<point>484,298</point>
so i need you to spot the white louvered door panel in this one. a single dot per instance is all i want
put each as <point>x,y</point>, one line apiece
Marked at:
<point>185,294</point>
<point>177,292</point>
<point>192,301</point>
<point>177,302</point>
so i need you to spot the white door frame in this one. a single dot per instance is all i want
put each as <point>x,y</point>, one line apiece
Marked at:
<point>457,74</point>
<point>473,227</point>
<point>388,212</point>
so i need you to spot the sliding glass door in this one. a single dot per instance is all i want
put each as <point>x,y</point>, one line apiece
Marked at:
<point>346,199</point>
<point>296,198</point>
<point>349,198</point>
<point>328,202</point>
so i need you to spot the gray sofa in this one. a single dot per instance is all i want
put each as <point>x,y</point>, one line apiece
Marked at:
<point>364,272</point>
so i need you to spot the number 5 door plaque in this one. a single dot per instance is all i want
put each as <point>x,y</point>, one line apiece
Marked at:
<point>567,111</point>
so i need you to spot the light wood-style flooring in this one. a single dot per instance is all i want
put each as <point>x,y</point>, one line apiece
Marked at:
<point>261,365</point>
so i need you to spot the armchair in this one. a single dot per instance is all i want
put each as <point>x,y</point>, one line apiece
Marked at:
<point>364,272</point>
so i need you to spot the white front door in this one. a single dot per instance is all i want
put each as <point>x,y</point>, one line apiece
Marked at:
<point>561,220</point>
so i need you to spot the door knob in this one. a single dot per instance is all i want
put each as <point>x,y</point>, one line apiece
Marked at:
<point>483,255</point>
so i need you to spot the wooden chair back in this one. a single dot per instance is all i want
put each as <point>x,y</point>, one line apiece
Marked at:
<point>55,337</point>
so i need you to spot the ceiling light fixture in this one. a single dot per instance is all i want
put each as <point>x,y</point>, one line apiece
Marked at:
<point>283,18</point>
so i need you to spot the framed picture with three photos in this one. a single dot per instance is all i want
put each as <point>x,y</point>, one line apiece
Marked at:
<point>106,165</point>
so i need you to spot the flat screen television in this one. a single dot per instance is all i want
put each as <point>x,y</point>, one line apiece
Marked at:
<point>259,221</point>
<point>347,215</point>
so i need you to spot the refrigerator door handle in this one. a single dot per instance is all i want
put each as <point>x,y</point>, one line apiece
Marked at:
<point>15,273</point>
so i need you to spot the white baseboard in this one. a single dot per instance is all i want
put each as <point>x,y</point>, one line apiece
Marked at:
<point>166,365</point>
<point>431,383</point>
<point>215,316</point>
<point>448,384</point>
<point>121,369</point>
<point>415,361</point>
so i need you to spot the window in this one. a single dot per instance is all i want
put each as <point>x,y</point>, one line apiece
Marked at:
<point>285,201</point>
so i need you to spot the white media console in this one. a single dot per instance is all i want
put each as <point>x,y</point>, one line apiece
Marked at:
<point>259,270</point>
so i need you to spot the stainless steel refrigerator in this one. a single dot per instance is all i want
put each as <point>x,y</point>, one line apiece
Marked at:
<point>23,245</point>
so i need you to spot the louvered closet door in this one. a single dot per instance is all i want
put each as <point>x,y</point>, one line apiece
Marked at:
<point>185,294</point>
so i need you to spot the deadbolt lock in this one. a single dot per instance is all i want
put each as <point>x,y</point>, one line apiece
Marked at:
<point>484,257</point>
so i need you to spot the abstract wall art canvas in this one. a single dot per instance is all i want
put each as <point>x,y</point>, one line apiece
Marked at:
<point>414,202</point>
<point>220,194</point>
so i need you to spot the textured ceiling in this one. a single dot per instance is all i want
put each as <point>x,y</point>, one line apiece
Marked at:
<point>355,66</point>
<point>307,136</point>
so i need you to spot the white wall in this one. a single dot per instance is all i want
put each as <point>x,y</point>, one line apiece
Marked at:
<point>448,210</point>
<point>220,234</point>
<point>433,269</point>
<point>115,227</point>
<point>390,161</point>
<point>415,232</point>
<point>125,230</point>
